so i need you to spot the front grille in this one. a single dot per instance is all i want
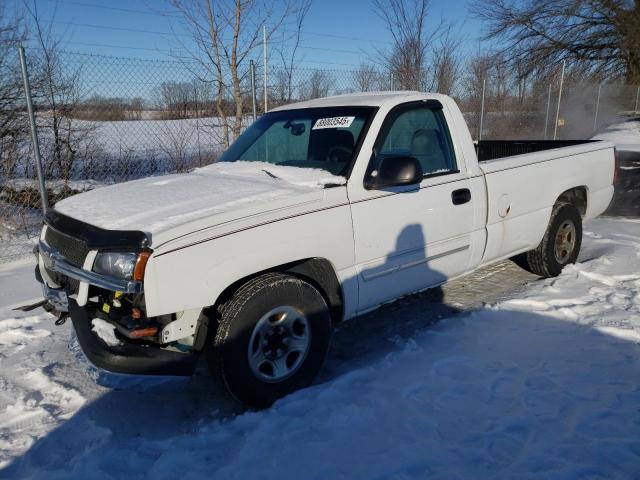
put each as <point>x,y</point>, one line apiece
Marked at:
<point>72,249</point>
<point>72,283</point>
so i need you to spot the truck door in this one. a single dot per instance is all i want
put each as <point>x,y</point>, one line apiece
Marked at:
<point>411,238</point>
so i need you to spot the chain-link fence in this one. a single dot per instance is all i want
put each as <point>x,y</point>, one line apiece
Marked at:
<point>103,120</point>
<point>577,111</point>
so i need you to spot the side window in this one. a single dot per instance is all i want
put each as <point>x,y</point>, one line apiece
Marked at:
<point>421,133</point>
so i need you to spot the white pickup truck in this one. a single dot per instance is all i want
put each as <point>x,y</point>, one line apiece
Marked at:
<point>320,211</point>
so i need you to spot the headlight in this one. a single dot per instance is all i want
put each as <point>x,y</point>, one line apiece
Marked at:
<point>121,265</point>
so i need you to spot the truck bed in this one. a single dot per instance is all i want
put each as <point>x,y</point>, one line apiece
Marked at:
<point>524,179</point>
<point>494,149</point>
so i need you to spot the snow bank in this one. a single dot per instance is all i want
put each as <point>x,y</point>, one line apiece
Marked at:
<point>54,186</point>
<point>625,136</point>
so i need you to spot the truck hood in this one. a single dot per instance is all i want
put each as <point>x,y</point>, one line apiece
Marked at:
<point>157,205</point>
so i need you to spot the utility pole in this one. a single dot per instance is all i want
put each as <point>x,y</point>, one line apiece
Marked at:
<point>252,71</point>
<point>555,128</point>
<point>266,69</point>
<point>546,119</point>
<point>595,118</point>
<point>484,87</point>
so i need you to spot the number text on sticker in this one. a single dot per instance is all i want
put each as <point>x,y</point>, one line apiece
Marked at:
<point>333,122</point>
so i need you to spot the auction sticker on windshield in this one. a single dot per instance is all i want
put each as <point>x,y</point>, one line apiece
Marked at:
<point>333,122</point>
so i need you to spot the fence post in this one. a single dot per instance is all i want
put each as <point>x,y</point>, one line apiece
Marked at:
<point>391,81</point>
<point>264,60</point>
<point>484,86</point>
<point>252,72</point>
<point>555,128</point>
<point>195,96</point>
<point>637,98</point>
<point>595,119</point>
<point>546,119</point>
<point>34,131</point>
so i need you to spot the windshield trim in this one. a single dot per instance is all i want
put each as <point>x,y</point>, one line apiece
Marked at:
<point>363,135</point>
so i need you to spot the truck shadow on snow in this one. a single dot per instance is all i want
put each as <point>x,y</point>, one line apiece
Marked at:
<point>395,321</point>
<point>510,359</point>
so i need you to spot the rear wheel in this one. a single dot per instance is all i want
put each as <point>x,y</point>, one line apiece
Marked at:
<point>560,245</point>
<point>272,339</point>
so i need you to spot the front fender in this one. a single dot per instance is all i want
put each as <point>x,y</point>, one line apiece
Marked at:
<point>194,276</point>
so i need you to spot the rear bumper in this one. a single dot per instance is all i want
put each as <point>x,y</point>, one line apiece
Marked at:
<point>129,357</point>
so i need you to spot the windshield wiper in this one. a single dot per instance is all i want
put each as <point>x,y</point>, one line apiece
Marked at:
<point>271,174</point>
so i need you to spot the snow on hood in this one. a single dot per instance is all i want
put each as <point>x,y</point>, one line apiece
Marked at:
<point>625,136</point>
<point>158,203</point>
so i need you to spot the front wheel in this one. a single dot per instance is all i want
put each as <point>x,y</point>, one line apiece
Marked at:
<point>272,338</point>
<point>560,245</point>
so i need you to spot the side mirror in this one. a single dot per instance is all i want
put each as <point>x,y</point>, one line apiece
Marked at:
<point>394,172</point>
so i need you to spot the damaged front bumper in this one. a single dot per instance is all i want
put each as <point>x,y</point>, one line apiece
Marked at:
<point>128,357</point>
<point>140,358</point>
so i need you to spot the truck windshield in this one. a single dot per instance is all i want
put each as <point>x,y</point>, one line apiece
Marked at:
<point>323,138</point>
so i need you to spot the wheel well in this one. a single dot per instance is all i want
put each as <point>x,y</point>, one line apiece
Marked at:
<point>577,197</point>
<point>317,271</point>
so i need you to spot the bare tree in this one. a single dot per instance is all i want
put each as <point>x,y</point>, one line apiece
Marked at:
<point>406,21</point>
<point>317,86</point>
<point>109,109</point>
<point>225,33</point>
<point>288,55</point>
<point>176,99</point>
<point>601,37</point>
<point>367,78</point>
<point>58,88</point>
<point>478,71</point>
<point>175,141</point>
<point>136,107</point>
<point>281,91</point>
<point>446,62</point>
<point>13,127</point>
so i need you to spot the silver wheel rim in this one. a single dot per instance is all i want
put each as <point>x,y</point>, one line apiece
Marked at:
<point>279,344</point>
<point>565,241</point>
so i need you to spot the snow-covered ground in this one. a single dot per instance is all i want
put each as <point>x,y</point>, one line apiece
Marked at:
<point>541,382</point>
<point>190,135</point>
<point>17,239</point>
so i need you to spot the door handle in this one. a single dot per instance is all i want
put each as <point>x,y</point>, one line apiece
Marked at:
<point>458,197</point>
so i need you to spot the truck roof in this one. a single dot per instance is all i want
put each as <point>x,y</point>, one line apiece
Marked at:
<point>368,99</point>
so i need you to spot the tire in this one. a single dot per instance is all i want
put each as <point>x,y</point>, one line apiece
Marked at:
<point>545,261</point>
<point>261,336</point>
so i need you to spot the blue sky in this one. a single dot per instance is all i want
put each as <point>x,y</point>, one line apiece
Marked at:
<point>337,34</point>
